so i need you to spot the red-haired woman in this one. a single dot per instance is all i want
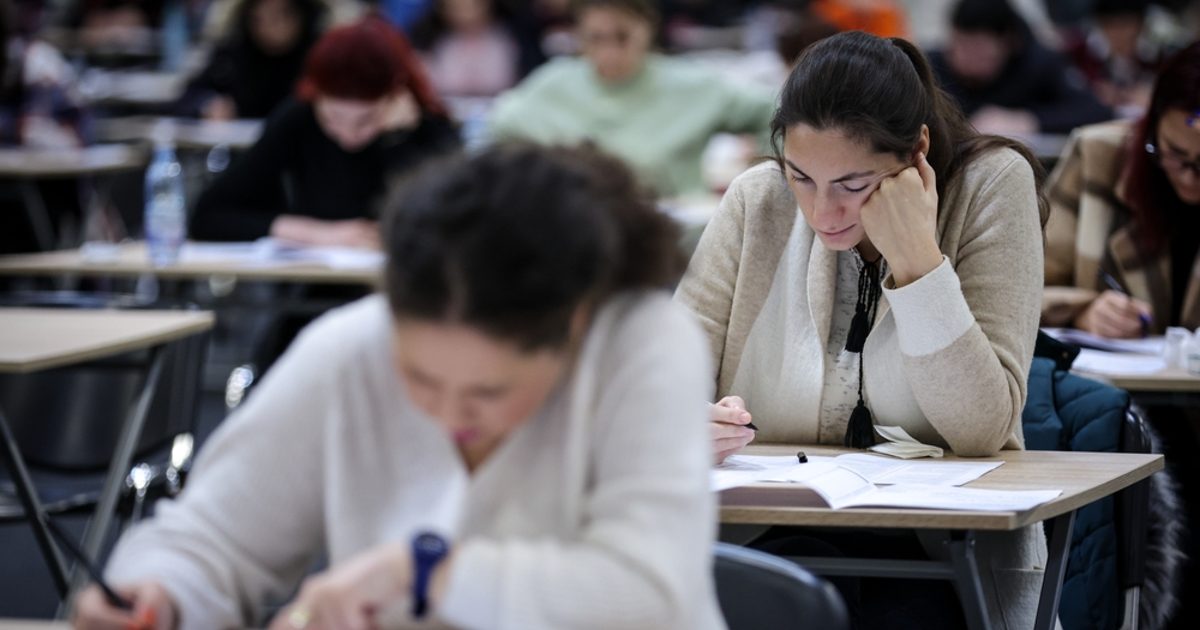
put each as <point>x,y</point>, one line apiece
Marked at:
<point>365,111</point>
<point>1126,205</point>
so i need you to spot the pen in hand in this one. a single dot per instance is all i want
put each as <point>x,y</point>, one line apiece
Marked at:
<point>1112,283</point>
<point>94,573</point>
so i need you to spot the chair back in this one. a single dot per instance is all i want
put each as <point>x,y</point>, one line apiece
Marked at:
<point>757,590</point>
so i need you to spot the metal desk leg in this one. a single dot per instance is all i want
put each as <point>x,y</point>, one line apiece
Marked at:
<point>39,214</point>
<point>114,481</point>
<point>961,546</point>
<point>32,506</point>
<point>1058,534</point>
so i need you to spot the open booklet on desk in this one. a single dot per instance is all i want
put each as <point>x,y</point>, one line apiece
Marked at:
<point>861,480</point>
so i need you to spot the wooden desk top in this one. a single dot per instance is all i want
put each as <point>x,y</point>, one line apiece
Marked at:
<point>131,259</point>
<point>186,133</point>
<point>1083,478</point>
<point>48,163</point>
<point>1170,380</point>
<point>33,339</point>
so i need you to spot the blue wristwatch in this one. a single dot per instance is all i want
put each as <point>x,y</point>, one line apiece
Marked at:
<point>428,549</point>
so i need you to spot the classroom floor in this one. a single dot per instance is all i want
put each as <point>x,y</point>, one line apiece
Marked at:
<point>26,589</point>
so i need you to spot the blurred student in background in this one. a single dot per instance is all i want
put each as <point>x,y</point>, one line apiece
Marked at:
<point>39,108</point>
<point>257,64</point>
<point>468,48</point>
<point>1005,80</point>
<point>1126,204</point>
<point>1118,54</point>
<point>366,112</point>
<point>654,112</point>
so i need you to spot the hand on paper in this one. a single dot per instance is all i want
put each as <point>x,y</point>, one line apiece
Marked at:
<point>358,233</point>
<point>729,431</point>
<point>152,609</point>
<point>900,220</point>
<point>1115,316</point>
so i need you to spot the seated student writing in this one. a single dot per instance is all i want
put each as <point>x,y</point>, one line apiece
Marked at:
<point>887,266</point>
<point>366,112</point>
<point>1125,214</point>
<point>526,389</point>
<point>656,113</point>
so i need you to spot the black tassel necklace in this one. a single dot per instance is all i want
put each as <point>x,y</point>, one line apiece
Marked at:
<point>860,430</point>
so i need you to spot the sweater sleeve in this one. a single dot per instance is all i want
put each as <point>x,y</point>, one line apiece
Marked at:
<point>245,528</point>
<point>642,554</point>
<point>707,288</point>
<point>971,325</point>
<point>518,112</point>
<point>747,109</point>
<point>242,202</point>
<point>1062,298</point>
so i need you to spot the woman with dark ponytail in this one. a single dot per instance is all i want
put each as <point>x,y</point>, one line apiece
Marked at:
<point>884,270</point>
<point>526,391</point>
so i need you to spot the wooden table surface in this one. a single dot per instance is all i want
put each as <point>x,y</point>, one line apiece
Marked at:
<point>185,132</point>
<point>33,339</point>
<point>47,163</point>
<point>1169,380</point>
<point>1083,478</point>
<point>131,259</point>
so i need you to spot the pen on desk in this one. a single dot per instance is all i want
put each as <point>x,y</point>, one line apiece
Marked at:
<point>94,573</point>
<point>1116,286</point>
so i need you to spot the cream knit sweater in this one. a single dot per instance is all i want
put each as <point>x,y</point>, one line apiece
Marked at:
<point>949,354</point>
<point>594,514</point>
<point>947,359</point>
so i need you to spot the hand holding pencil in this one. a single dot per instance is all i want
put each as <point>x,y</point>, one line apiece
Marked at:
<point>732,429</point>
<point>1115,314</point>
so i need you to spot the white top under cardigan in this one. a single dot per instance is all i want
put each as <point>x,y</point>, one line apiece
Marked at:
<point>594,514</point>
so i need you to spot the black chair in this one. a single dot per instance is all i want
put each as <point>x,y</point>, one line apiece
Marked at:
<point>757,590</point>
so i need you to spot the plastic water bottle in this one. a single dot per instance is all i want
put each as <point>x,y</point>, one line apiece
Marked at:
<point>166,214</point>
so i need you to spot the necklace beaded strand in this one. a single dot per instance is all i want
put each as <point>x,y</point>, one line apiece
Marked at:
<point>860,431</point>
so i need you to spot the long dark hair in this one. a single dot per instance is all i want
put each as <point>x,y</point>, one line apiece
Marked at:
<point>512,240</point>
<point>1148,192</point>
<point>879,92</point>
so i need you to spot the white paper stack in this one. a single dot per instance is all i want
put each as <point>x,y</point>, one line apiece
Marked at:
<point>861,480</point>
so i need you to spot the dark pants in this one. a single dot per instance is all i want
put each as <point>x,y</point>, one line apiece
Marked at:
<point>874,603</point>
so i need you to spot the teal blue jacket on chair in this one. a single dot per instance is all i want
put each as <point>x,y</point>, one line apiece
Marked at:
<point>1066,412</point>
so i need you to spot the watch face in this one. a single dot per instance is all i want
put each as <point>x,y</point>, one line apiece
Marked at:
<point>428,544</point>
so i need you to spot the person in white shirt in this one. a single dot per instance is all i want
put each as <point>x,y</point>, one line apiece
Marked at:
<point>526,391</point>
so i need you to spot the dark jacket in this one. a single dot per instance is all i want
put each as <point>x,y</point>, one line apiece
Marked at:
<point>294,168</point>
<point>256,82</point>
<point>1035,79</point>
